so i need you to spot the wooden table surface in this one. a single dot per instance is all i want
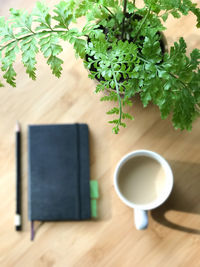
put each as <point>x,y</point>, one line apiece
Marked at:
<point>173,236</point>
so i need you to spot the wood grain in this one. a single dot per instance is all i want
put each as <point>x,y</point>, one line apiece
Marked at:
<point>173,236</point>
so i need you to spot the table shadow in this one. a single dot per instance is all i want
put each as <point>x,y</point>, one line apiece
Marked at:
<point>185,196</point>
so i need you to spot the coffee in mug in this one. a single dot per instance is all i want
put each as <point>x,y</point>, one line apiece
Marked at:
<point>143,180</point>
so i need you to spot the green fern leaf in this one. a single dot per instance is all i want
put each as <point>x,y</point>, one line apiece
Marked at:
<point>50,49</point>
<point>10,75</point>
<point>42,16</point>
<point>29,50</point>
<point>55,64</point>
<point>63,15</point>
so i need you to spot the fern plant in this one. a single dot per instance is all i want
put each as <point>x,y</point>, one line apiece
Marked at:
<point>120,45</point>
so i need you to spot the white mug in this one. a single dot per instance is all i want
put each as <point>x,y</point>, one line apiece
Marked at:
<point>141,210</point>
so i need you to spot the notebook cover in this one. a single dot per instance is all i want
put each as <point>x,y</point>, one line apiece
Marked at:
<point>58,172</point>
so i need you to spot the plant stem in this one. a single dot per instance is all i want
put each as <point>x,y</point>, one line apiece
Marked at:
<point>31,34</point>
<point>108,10</point>
<point>118,94</point>
<point>123,22</point>
<point>142,23</point>
<point>113,15</point>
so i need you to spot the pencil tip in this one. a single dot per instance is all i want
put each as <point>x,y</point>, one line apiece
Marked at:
<point>17,127</point>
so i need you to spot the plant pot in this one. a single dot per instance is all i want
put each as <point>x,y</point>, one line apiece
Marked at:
<point>163,45</point>
<point>164,48</point>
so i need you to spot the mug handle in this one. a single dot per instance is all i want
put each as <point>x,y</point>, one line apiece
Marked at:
<point>141,219</point>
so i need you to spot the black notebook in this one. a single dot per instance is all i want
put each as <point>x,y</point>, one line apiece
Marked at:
<point>58,172</point>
